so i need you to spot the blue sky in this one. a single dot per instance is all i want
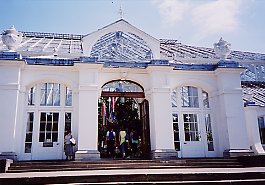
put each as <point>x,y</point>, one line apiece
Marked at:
<point>193,22</point>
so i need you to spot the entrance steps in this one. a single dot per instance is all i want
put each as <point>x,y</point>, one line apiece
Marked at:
<point>42,166</point>
<point>180,171</point>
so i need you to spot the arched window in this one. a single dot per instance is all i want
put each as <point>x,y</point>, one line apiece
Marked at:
<point>50,94</point>
<point>191,116</point>
<point>122,88</point>
<point>46,102</point>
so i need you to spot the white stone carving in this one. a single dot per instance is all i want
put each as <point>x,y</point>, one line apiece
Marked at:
<point>222,48</point>
<point>12,38</point>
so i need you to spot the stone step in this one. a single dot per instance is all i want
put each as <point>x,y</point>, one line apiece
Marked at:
<point>140,176</point>
<point>117,164</point>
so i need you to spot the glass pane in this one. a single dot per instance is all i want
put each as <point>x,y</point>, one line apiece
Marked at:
<point>67,124</point>
<point>41,137</point>
<point>205,99</point>
<point>191,127</point>
<point>261,129</point>
<point>28,147</point>
<point>48,136</point>
<point>122,86</point>
<point>50,94</point>
<point>49,127</point>
<point>42,126</point>
<point>28,137</point>
<point>177,146</point>
<point>189,97</point>
<point>174,98</point>
<point>54,136</point>
<point>68,101</point>
<point>209,132</point>
<point>31,96</point>
<point>55,127</point>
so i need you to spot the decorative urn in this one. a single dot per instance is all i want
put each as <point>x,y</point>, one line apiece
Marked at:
<point>12,38</point>
<point>222,49</point>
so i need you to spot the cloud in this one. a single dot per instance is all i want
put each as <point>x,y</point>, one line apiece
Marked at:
<point>204,16</point>
<point>219,16</point>
<point>171,11</point>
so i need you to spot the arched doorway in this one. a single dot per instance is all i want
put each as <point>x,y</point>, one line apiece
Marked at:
<point>122,107</point>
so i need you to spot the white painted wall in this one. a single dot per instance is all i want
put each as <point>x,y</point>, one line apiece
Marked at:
<point>251,116</point>
<point>9,91</point>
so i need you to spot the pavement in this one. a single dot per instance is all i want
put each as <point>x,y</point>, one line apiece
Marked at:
<point>130,171</point>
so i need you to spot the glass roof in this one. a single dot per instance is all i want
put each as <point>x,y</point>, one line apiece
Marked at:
<point>121,46</point>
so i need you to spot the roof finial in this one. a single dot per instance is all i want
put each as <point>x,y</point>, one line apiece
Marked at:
<point>121,10</point>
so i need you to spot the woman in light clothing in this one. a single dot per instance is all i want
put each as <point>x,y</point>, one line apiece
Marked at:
<point>122,139</point>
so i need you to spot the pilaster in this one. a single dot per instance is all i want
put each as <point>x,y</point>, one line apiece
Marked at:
<point>232,113</point>
<point>161,128</point>
<point>253,129</point>
<point>88,113</point>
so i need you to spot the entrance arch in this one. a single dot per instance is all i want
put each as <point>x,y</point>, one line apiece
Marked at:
<point>122,106</point>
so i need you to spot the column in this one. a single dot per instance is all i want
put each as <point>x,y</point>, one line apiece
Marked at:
<point>88,113</point>
<point>232,120</point>
<point>9,92</point>
<point>161,126</point>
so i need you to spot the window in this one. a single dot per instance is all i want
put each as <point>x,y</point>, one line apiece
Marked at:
<point>67,122</point>
<point>189,97</point>
<point>50,94</point>
<point>261,123</point>
<point>205,99</point>
<point>29,130</point>
<point>49,127</point>
<point>68,97</point>
<point>31,96</point>
<point>176,132</point>
<point>191,127</point>
<point>174,98</point>
<point>209,133</point>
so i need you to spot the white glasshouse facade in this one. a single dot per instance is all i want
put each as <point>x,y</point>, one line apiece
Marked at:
<point>184,101</point>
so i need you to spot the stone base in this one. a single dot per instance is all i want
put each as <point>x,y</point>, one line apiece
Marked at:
<point>164,154</point>
<point>237,152</point>
<point>86,155</point>
<point>8,155</point>
<point>5,164</point>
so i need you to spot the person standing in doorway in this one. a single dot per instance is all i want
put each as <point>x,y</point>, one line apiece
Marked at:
<point>110,139</point>
<point>69,150</point>
<point>134,142</point>
<point>122,140</point>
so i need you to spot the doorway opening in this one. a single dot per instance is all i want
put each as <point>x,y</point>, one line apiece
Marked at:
<point>122,107</point>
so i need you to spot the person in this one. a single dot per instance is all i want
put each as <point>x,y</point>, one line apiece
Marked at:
<point>110,139</point>
<point>134,142</point>
<point>122,140</point>
<point>69,150</point>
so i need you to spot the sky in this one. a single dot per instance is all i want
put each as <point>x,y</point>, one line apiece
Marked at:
<point>192,22</point>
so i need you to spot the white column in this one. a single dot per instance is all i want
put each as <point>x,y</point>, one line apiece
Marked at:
<point>161,126</point>
<point>9,91</point>
<point>88,112</point>
<point>253,129</point>
<point>232,113</point>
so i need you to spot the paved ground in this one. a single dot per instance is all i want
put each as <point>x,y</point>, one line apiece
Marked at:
<point>131,171</point>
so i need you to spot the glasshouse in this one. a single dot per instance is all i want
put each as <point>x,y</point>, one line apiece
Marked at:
<point>183,101</point>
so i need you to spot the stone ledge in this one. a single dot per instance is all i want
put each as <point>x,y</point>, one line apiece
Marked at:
<point>237,152</point>
<point>86,155</point>
<point>164,154</point>
<point>5,164</point>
